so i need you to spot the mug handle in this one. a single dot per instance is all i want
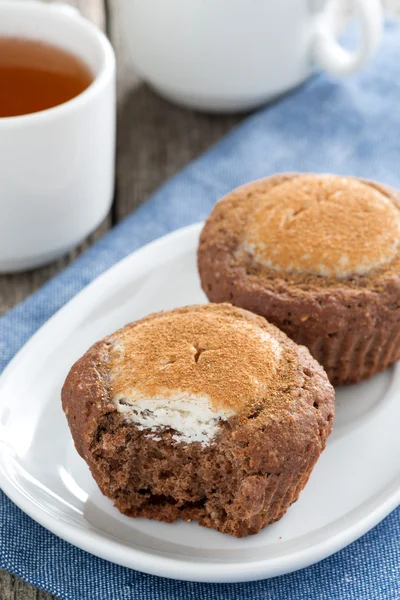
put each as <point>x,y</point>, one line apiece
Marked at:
<point>331,56</point>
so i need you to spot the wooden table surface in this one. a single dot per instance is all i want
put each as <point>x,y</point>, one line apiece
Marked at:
<point>155,140</point>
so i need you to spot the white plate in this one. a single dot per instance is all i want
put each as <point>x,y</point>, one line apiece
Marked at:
<point>354,485</point>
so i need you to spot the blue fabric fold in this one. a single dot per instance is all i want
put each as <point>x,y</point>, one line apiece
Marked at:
<point>350,126</point>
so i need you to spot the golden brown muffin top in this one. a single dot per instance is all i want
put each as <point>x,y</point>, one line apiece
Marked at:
<point>233,358</point>
<point>323,225</point>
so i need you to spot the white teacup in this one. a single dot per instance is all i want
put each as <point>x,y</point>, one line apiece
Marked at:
<point>57,165</point>
<point>229,55</point>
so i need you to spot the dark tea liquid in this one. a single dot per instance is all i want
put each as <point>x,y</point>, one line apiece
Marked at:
<point>35,75</point>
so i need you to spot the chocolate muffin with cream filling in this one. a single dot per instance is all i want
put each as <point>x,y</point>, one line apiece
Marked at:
<point>204,413</point>
<point>318,256</point>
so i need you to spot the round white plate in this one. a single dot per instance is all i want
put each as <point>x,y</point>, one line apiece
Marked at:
<point>354,485</point>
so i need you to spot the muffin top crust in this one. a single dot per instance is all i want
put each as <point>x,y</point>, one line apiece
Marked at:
<point>190,368</point>
<point>323,225</point>
<point>208,353</point>
<point>304,231</point>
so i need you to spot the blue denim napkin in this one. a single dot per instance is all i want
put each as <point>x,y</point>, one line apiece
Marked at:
<point>350,127</point>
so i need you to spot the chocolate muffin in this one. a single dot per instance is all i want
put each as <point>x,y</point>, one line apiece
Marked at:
<point>318,256</point>
<point>204,413</point>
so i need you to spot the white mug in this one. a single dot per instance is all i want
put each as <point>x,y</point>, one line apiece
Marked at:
<point>57,165</point>
<point>229,55</point>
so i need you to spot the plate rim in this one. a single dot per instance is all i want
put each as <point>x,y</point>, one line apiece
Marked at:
<point>164,565</point>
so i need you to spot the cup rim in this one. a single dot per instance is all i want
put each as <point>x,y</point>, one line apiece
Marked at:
<point>100,80</point>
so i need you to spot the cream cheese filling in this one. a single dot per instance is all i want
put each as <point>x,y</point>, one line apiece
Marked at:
<point>190,416</point>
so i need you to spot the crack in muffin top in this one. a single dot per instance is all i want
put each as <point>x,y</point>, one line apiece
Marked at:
<point>216,352</point>
<point>323,225</point>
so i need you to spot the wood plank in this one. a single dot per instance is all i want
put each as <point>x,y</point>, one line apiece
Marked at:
<point>13,588</point>
<point>156,141</point>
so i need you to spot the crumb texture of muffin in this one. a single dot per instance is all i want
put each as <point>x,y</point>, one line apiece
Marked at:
<point>318,256</point>
<point>204,413</point>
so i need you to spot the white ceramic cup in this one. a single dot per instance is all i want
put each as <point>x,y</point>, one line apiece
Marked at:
<point>229,55</point>
<point>57,165</point>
